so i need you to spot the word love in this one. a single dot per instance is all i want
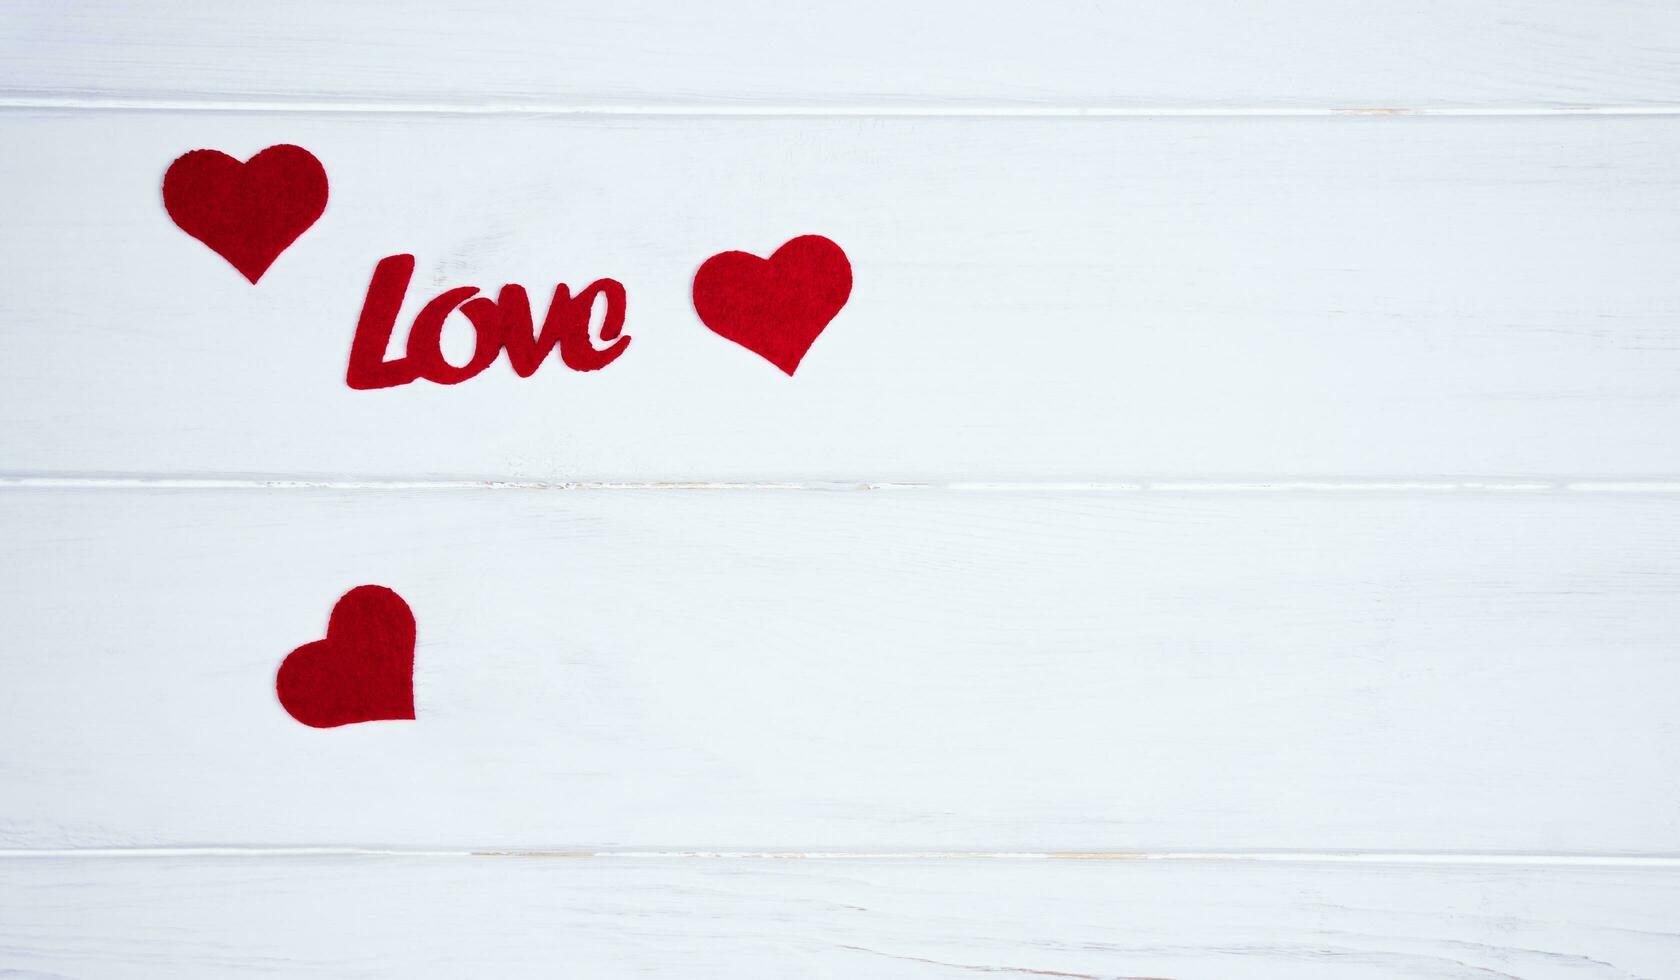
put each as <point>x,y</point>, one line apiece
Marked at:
<point>501,324</point>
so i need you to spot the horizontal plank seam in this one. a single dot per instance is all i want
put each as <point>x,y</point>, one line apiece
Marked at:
<point>738,108</point>
<point>1262,857</point>
<point>1650,486</point>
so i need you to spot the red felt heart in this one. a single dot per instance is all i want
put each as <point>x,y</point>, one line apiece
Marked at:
<point>362,671</point>
<point>246,212</point>
<point>774,307</point>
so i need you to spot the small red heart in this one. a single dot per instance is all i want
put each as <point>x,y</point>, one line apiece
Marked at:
<point>362,671</point>
<point>248,213</point>
<point>774,307</point>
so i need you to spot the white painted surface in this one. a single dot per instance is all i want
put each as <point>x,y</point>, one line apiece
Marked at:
<point>857,670</point>
<point>943,55</point>
<point>513,917</point>
<point>1062,300</point>
<point>1309,487</point>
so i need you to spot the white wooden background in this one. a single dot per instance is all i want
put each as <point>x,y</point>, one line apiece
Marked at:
<point>1232,530</point>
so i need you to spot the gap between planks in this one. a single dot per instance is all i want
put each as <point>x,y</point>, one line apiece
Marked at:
<point>69,482</point>
<point>1436,859</point>
<point>607,107</point>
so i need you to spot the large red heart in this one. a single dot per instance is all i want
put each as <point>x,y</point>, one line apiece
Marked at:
<point>362,671</point>
<point>774,307</point>
<point>248,213</point>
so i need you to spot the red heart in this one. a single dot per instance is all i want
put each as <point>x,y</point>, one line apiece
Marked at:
<point>362,671</point>
<point>246,212</point>
<point>774,307</point>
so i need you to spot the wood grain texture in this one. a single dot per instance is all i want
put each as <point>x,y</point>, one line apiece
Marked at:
<point>1034,300</point>
<point>868,670</point>
<point>1223,277</point>
<point>743,54</point>
<point>508,917</point>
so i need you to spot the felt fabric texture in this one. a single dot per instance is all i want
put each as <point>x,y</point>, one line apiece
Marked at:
<point>425,338</point>
<point>368,367</point>
<point>248,213</point>
<point>774,307</point>
<point>498,324</point>
<point>566,326</point>
<point>362,671</point>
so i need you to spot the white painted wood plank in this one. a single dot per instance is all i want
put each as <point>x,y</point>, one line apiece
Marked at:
<point>1034,299</point>
<point>511,917</point>
<point>742,54</point>
<point>882,671</point>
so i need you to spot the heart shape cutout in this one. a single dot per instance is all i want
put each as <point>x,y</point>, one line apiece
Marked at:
<point>362,671</point>
<point>248,213</point>
<point>774,307</point>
